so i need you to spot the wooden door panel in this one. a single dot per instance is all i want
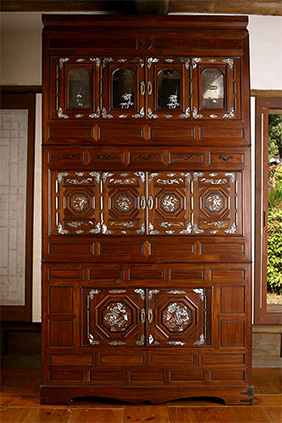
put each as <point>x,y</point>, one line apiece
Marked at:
<point>217,203</point>
<point>75,203</point>
<point>169,203</point>
<point>179,317</point>
<point>113,317</point>
<point>123,203</point>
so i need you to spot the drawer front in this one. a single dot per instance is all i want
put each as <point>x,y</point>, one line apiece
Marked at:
<point>178,158</point>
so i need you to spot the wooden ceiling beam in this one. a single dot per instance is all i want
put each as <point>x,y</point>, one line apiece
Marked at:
<point>244,7</point>
<point>248,7</point>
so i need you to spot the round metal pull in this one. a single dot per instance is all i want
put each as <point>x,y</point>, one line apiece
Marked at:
<point>149,88</point>
<point>143,202</point>
<point>150,202</point>
<point>142,88</point>
<point>150,315</point>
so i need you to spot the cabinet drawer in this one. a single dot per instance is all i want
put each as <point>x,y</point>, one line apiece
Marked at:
<point>66,156</point>
<point>227,157</point>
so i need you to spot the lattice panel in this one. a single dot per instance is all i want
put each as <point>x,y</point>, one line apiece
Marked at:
<point>13,168</point>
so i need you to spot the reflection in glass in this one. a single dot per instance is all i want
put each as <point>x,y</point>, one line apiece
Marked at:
<point>123,88</point>
<point>212,89</point>
<point>79,89</point>
<point>168,89</point>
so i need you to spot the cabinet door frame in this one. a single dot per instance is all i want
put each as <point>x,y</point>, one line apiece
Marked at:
<point>60,88</point>
<point>231,70</point>
<point>155,65</point>
<point>109,66</point>
<point>113,317</point>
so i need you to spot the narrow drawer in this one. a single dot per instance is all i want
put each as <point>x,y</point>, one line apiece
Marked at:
<point>227,158</point>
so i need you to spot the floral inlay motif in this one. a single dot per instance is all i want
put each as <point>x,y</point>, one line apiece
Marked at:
<point>116,317</point>
<point>173,101</point>
<point>169,203</point>
<point>123,202</point>
<point>176,317</point>
<point>79,203</point>
<point>127,101</point>
<point>214,202</point>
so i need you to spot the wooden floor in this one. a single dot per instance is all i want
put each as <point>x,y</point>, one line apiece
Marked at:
<point>20,403</point>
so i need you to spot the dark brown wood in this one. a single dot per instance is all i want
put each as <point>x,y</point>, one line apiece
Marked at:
<point>146,204</point>
<point>251,7</point>
<point>24,98</point>
<point>264,314</point>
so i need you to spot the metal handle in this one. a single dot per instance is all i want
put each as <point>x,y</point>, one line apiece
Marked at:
<point>149,88</point>
<point>143,315</point>
<point>142,88</point>
<point>143,202</point>
<point>150,202</point>
<point>150,315</point>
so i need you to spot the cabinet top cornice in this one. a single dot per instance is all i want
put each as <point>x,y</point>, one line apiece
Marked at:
<point>145,21</point>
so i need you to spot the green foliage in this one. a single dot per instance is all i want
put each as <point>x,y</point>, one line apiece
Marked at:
<point>275,196</point>
<point>275,136</point>
<point>274,250</point>
<point>278,173</point>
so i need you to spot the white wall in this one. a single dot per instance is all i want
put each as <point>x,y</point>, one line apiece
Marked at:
<point>266,52</point>
<point>21,65</point>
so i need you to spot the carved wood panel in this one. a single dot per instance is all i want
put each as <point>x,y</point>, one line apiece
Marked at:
<point>113,317</point>
<point>75,202</point>
<point>169,203</point>
<point>124,203</point>
<point>217,208</point>
<point>179,317</point>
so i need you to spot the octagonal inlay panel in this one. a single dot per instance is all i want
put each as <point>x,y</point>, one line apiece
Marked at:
<point>79,202</point>
<point>170,202</point>
<point>214,202</point>
<point>123,202</point>
<point>117,316</point>
<point>176,316</point>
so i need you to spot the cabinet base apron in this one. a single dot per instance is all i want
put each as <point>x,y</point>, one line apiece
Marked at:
<point>138,395</point>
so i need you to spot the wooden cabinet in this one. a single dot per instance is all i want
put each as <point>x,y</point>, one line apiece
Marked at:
<point>146,209</point>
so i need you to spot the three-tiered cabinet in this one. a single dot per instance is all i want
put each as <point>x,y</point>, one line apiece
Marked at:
<point>146,208</point>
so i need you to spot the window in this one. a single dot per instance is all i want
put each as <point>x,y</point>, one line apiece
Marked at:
<point>268,210</point>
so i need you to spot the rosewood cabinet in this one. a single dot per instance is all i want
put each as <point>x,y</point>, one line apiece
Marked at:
<point>146,208</point>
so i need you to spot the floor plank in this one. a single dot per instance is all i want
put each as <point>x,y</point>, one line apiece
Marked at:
<point>225,414</point>
<point>103,415</point>
<point>267,381</point>
<point>146,413</point>
<point>20,403</point>
<point>274,414</point>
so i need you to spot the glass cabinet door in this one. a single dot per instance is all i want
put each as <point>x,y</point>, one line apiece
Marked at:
<point>123,88</point>
<point>168,88</point>
<point>216,88</point>
<point>76,88</point>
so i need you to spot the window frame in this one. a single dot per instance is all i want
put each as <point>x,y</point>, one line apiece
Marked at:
<point>264,103</point>
<point>24,97</point>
